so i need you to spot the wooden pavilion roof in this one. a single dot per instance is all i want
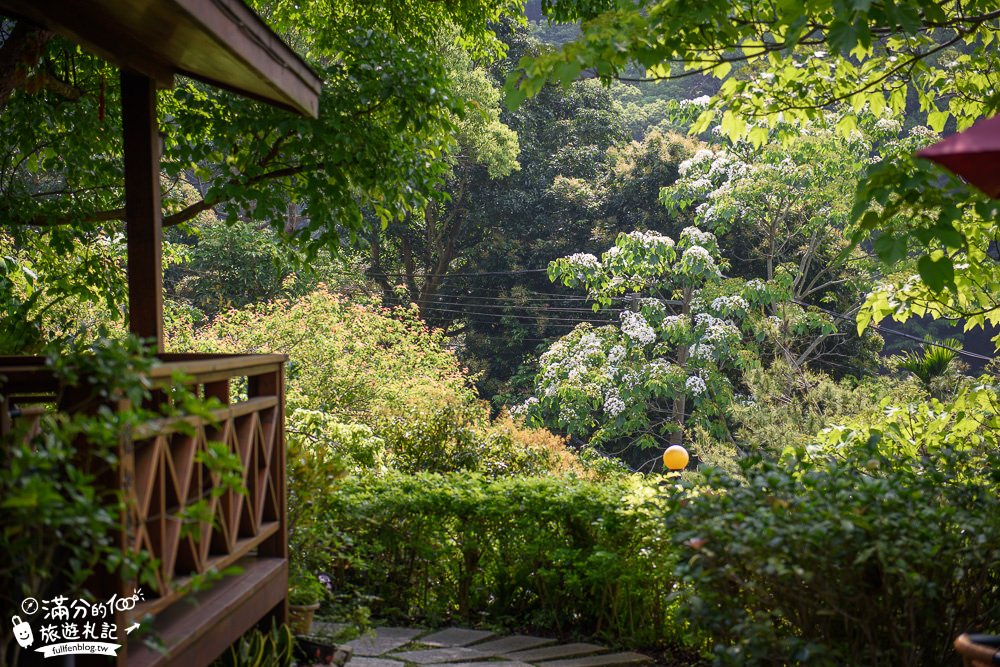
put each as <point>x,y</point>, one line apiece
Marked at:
<point>221,42</point>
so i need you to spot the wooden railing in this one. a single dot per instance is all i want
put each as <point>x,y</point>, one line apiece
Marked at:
<point>163,476</point>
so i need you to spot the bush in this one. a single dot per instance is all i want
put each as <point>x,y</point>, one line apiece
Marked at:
<point>867,556</point>
<point>559,555</point>
<point>379,389</point>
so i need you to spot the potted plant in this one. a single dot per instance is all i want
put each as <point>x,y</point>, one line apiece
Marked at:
<point>305,592</point>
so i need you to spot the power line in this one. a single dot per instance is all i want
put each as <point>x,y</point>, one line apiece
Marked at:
<point>474,274</point>
<point>435,308</point>
<point>901,334</point>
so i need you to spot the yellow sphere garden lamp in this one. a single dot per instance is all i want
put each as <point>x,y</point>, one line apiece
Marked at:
<point>675,458</point>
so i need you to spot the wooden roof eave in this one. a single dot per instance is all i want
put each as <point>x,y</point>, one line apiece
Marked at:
<point>221,42</point>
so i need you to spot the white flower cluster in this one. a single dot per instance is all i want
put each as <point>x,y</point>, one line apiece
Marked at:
<point>701,184</point>
<point>659,369</point>
<point>650,239</point>
<point>631,379</point>
<point>729,304</point>
<point>524,408</point>
<point>701,156</point>
<point>696,252</point>
<point>637,328</point>
<point>923,132</point>
<point>890,125</point>
<point>696,385</point>
<point>672,321</point>
<point>700,101</point>
<point>729,166</point>
<point>716,330</point>
<point>613,403</point>
<point>584,260</point>
<point>569,360</point>
<point>696,237</point>
<point>652,304</point>
<point>616,354</point>
<point>701,352</point>
<point>696,257</point>
<point>756,285</point>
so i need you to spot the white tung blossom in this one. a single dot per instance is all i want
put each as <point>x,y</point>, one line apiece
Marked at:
<point>649,239</point>
<point>522,409</point>
<point>727,304</point>
<point>672,321</point>
<point>613,403</point>
<point>700,101</point>
<point>616,354</point>
<point>701,352</point>
<point>696,385</point>
<point>584,260</point>
<point>701,156</point>
<point>652,304</point>
<point>888,125</point>
<point>659,369</point>
<point>634,326</point>
<point>697,237</point>
<point>697,257</point>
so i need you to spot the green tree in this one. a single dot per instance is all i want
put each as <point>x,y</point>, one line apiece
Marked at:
<point>669,364</point>
<point>786,210</point>
<point>388,120</point>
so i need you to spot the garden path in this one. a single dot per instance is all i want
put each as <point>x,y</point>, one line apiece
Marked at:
<point>459,647</point>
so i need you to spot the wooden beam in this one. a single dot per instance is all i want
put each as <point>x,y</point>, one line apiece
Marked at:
<point>143,215</point>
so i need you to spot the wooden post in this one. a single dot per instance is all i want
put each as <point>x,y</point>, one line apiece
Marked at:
<point>143,215</point>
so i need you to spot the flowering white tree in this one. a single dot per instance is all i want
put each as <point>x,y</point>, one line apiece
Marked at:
<point>683,328</point>
<point>785,211</point>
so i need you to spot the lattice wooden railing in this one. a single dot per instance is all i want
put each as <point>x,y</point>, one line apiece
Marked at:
<point>163,477</point>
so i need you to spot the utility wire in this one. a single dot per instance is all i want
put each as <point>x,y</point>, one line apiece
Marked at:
<point>901,334</point>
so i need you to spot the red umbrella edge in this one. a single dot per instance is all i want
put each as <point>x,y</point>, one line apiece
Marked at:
<point>973,154</point>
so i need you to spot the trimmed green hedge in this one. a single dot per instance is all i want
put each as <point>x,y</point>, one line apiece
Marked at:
<point>565,555</point>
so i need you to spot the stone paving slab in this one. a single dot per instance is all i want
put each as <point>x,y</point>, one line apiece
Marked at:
<point>600,660</point>
<point>362,661</point>
<point>555,652</point>
<point>456,637</point>
<point>384,640</point>
<point>439,655</point>
<point>512,643</point>
<point>494,663</point>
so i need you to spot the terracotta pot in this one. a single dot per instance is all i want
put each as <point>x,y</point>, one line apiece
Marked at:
<point>300,617</point>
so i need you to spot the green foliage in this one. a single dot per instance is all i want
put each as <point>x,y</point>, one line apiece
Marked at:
<point>372,388</point>
<point>780,408</point>
<point>234,265</point>
<point>684,332</point>
<point>381,148</point>
<point>305,588</point>
<point>314,470</point>
<point>933,363</point>
<point>60,517</point>
<point>790,61</point>
<point>861,556</point>
<point>352,361</point>
<point>257,648</point>
<point>561,555</point>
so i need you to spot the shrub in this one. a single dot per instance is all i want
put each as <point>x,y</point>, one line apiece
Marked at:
<point>560,555</point>
<point>866,556</point>
<point>379,389</point>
